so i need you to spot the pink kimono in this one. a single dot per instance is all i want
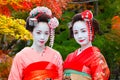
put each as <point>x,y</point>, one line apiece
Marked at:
<point>30,65</point>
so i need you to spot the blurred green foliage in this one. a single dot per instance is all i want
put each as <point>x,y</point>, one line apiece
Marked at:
<point>63,43</point>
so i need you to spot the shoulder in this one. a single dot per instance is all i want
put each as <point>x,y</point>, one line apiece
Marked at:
<point>71,55</point>
<point>94,48</point>
<point>97,53</point>
<point>26,49</point>
<point>22,52</point>
<point>56,54</point>
<point>53,51</point>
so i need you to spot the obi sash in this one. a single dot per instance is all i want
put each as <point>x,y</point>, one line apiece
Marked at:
<point>75,75</point>
<point>41,71</point>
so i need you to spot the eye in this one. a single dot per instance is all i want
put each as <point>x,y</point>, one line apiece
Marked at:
<point>83,31</point>
<point>38,32</point>
<point>75,32</point>
<point>46,33</point>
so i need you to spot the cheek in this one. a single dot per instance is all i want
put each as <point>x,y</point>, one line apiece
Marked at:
<point>86,35</point>
<point>36,37</point>
<point>75,36</point>
<point>47,36</point>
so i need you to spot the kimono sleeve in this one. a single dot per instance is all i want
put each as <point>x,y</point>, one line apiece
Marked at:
<point>99,68</point>
<point>16,69</point>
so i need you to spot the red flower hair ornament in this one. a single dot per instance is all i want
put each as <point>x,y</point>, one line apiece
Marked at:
<point>87,16</point>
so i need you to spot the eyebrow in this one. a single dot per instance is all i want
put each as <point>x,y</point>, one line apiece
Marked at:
<point>41,31</point>
<point>80,29</point>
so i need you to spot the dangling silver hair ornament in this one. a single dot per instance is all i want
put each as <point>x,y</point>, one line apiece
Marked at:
<point>33,21</point>
<point>88,16</point>
<point>53,23</point>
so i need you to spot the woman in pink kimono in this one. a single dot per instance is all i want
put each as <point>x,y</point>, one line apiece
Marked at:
<point>38,62</point>
<point>85,63</point>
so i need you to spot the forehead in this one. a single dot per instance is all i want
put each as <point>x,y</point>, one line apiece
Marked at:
<point>42,26</point>
<point>79,25</point>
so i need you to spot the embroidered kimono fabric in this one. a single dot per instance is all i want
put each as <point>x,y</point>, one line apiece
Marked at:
<point>89,64</point>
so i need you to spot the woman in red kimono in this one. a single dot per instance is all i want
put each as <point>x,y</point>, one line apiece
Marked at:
<point>85,63</point>
<point>38,62</point>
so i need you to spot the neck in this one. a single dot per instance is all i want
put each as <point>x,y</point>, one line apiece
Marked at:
<point>38,48</point>
<point>83,47</point>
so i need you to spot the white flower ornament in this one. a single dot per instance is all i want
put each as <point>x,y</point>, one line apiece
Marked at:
<point>45,10</point>
<point>53,23</point>
<point>41,10</point>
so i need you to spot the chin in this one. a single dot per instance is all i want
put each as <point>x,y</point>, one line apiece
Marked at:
<point>40,45</point>
<point>85,44</point>
<point>82,43</point>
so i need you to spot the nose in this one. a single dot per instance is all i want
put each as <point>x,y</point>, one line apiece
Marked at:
<point>79,35</point>
<point>42,36</point>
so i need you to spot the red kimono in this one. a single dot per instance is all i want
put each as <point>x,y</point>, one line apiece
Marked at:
<point>90,61</point>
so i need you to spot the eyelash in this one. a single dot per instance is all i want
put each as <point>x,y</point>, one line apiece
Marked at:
<point>81,31</point>
<point>46,33</point>
<point>84,31</point>
<point>75,32</point>
<point>38,32</point>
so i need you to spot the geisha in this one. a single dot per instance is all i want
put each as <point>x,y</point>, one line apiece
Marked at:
<point>38,62</point>
<point>87,62</point>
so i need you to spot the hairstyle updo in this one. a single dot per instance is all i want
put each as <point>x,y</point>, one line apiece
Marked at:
<point>41,18</point>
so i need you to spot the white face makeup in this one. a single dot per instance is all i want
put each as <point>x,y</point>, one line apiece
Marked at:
<point>80,33</point>
<point>41,34</point>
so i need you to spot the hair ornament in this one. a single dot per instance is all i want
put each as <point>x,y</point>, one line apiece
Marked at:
<point>52,36</point>
<point>33,22</point>
<point>69,25</point>
<point>38,11</point>
<point>87,15</point>
<point>42,10</point>
<point>53,23</point>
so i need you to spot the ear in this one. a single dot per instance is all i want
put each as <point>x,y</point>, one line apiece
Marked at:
<point>31,33</point>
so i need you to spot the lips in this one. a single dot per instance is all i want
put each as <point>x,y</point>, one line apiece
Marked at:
<point>81,40</point>
<point>42,42</point>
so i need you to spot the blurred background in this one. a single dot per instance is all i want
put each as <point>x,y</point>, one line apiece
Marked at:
<point>14,36</point>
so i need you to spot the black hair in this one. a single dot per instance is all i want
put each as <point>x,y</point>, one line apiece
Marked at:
<point>41,18</point>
